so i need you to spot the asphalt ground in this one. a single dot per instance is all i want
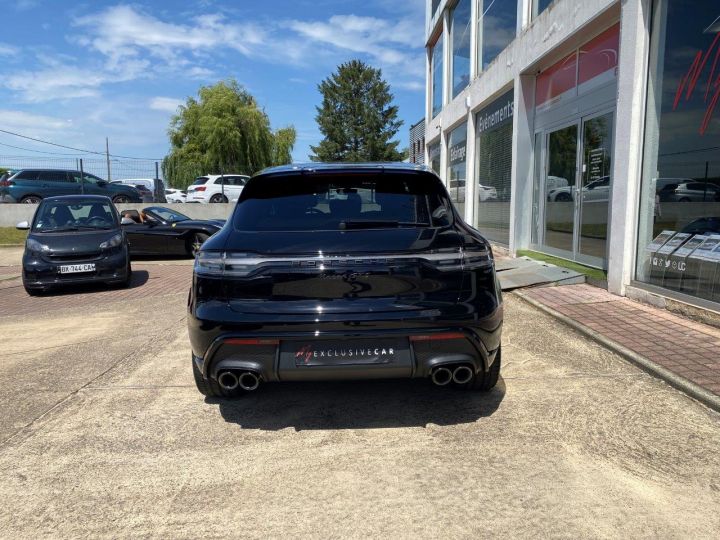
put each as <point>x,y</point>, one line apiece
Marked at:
<point>103,434</point>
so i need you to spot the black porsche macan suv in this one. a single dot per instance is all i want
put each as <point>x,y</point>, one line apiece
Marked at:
<point>355,271</point>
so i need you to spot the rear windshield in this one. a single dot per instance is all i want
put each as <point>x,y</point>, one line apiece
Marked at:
<point>342,202</point>
<point>200,181</point>
<point>65,216</point>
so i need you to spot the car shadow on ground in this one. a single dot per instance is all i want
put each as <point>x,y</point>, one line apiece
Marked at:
<point>139,278</point>
<point>358,405</point>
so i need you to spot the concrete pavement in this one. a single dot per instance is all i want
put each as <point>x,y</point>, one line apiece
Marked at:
<point>109,438</point>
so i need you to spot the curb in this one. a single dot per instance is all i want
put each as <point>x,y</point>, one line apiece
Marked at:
<point>673,379</point>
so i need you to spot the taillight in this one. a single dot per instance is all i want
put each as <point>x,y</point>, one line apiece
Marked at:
<point>201,188</point>
<point>6,183</point>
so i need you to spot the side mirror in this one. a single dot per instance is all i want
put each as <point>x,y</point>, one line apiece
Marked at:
<point>23,226</point>
<point>102,183</point>
<point>127,221</point>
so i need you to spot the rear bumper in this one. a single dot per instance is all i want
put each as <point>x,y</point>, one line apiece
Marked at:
<point>231,349</point>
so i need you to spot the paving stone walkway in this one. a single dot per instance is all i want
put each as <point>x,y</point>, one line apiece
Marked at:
<point>685,347</point>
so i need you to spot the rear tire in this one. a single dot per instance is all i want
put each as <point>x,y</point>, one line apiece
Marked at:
<point>218,198</point>
<point>486,381</point>
<point>195,243</point>
<point>120,199</point>
<point>31,199</point>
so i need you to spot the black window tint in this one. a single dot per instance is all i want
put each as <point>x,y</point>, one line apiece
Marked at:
<point>53,176</point>
<point>27,175</point>
<point>329,202</point>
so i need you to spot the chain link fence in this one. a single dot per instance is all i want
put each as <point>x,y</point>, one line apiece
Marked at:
<point>119,169</point>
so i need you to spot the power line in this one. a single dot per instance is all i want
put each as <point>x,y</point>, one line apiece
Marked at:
<point>40,151</point>
<point>73,148</point>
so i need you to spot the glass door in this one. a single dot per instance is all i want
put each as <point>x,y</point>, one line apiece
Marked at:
<point>571,196</point>
<point>559,192</point>
<point>594,199</point>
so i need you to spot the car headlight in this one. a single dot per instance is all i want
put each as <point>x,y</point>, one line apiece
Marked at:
<point>115,241</point>
<point>33,246</point>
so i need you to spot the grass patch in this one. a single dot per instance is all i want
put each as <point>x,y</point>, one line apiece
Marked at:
<point>10,235</point>
<point>592,273</point>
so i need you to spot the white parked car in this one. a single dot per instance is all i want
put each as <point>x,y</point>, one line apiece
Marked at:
<point>175,195</point>
<point>213,188</point>
<point>597,190</point>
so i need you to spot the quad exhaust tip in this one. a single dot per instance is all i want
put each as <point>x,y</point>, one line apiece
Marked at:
<point>462,375</point>
<point>228,380</point>
<point>442,376</point>
<point>249,381</point>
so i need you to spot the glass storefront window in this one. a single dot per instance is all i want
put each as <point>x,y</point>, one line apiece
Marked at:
<point>437,76</point>
<point>434,155</point>
<point>539,6</point>
<point>497,27</point>
<point>456,172</point>
<point>494,168</point>
<point>460,37</point>
<point>679,229</point>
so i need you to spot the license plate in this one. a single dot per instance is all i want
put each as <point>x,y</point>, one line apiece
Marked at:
<point>76,268</point>
<point>346,352</point>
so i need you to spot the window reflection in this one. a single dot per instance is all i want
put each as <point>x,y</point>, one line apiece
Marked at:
<point>437,76</point>
<point>539,6</point>
<point>460,46</point>
<point>497,27</point>
<point>679,233</point>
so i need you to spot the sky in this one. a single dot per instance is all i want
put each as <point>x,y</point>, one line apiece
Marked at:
<point>77,72</point>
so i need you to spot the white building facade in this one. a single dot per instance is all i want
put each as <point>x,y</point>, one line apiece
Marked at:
<point>587,130</point>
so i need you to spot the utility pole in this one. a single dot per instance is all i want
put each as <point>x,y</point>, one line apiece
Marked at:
<point>82,178</point>
<point>107,157</point>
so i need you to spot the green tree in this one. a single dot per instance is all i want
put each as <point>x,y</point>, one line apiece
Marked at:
<point>357,116</point>
<point>223,130</point>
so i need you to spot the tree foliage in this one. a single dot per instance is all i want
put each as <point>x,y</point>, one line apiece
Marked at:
<point>357,117</point>
<point>223,130</point>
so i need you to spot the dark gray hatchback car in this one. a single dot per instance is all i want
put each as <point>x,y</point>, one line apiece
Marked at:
<point>75,240</point>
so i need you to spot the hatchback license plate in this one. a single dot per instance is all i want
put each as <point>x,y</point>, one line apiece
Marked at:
<point>76,268</point>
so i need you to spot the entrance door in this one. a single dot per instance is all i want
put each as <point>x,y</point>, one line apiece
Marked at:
<point>595,188</point>
<point>573,193</point>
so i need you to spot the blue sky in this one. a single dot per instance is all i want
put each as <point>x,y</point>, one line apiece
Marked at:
<point>76,72</point>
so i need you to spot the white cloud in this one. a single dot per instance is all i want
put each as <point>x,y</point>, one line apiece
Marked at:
<point>133,44</point>
<point>22,121</point>
<point>125,31</point>
<point>61,80</point>
<point>389,44</point>
<point>165,104</point>
<point>8,50</point>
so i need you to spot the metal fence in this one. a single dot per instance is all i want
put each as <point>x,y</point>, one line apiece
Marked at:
<point>120,169</point>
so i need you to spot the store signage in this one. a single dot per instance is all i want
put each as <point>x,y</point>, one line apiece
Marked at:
<point>497,114</point>
<point>457,153</point>
<point>597,164</point>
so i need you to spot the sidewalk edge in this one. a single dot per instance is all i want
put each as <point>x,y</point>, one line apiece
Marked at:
<point>673,379</point>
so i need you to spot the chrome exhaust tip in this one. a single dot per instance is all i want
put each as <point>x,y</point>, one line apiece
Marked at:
<point>249,381</point>
<point>227,380</point>
<point>442,376</point>
<point>462,375</point>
